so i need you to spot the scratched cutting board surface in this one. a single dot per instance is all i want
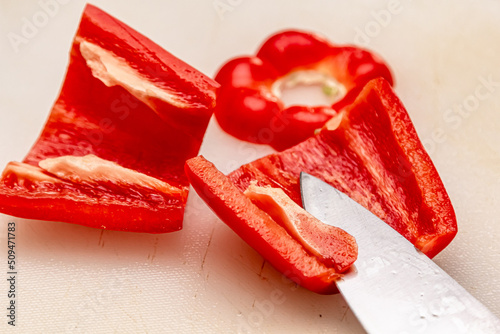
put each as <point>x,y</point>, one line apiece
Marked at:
<point>205,279</point>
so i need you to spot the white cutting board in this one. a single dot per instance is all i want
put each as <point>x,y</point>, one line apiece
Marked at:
<point>204,278</point>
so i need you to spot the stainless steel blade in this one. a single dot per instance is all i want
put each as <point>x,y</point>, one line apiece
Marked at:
<point>393,287</point>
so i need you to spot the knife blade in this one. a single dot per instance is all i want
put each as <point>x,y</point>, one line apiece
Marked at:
<point>393,287</point>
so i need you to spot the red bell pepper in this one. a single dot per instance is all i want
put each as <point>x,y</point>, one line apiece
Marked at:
<point>371,152</point>
<point>295,246</point>
<point>249,104</point>
<point>112,152</point>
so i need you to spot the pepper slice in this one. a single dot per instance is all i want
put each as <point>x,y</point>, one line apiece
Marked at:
<point>249,104</point>
<point>263,231</point>
<point>112,152</point>
<point>371,152</point>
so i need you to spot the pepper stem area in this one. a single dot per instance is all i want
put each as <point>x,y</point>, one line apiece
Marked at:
<point>308,87</point>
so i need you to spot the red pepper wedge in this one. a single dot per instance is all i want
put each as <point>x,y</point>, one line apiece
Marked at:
<point>264,233</point>
<point>371,152</point>
<point>113,149</point>
<point>249,105</point>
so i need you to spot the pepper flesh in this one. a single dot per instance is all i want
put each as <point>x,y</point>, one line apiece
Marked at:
<point>263,233</point>
<point>249,106</point>
<point>330,244</point>
<point>126,107</point>
<point>371,152</point>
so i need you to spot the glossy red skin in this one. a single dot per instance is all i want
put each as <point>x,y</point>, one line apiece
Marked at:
<point>376,158</point>
<point>258,229</point>
<point>109,122</point>
<point>280,55</point>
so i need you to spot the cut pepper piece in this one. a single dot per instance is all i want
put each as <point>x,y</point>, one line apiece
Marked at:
<point>249,104</point>
<point>266,235</point>
<point>371,152</point>
<point>112,152</point>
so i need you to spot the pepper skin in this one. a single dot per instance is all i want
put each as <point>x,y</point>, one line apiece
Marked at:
<point>371,152</point>
<point>249,106</point>
<point>112,152</point>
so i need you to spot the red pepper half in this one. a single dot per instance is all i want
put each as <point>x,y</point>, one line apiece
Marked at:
<point>261,225</point>
<point>371,152</point>
<point>249,104</point>
<point>112,152</point>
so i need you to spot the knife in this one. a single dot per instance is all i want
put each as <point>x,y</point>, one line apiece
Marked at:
<point>393,287</point>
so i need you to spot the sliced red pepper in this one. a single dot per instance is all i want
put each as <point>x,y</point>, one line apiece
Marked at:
<point>128,116</point>
<point>262,230</point>
<point>371,152</point>
<point>249,105</point>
